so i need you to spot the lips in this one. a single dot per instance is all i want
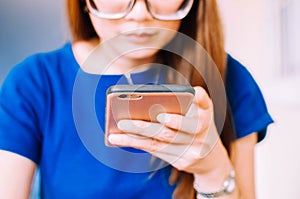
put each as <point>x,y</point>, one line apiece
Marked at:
<point>140,35</point>
<point>141,31</point>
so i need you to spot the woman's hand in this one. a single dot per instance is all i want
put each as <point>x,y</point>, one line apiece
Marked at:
<point>182,141</point>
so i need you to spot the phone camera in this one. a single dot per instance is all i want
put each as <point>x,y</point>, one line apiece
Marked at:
<point>123,96</point>
<point>132,96</point>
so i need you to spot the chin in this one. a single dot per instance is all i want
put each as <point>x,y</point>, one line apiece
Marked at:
<point>141,54</point>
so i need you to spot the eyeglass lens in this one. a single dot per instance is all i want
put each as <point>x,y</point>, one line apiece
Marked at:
<point>158,8</point>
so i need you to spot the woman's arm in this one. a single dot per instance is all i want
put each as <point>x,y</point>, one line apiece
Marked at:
<point>242,157</point>
<point>242,160</point>
<point>16,175</point>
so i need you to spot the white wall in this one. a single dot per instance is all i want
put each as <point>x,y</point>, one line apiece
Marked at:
<point>254,35</point>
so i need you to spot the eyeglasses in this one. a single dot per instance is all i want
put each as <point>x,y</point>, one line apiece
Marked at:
<point>159,9</point>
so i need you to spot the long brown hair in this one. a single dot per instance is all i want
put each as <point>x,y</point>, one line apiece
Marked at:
<point>202,24</point>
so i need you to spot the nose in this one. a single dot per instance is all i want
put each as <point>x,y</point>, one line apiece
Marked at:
<point>139,12</point>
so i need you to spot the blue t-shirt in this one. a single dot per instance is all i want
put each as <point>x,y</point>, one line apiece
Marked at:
<point>53,113</point>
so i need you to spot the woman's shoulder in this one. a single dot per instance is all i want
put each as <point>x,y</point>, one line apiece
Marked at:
<point>246,100</point>
<point>50,58</point>
<point>41,71</point>
<point>239,80</point>
<point>43,63</point>
<point>236,70</point>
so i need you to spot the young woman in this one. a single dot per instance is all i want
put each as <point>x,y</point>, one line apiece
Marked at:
<point>47,122</point>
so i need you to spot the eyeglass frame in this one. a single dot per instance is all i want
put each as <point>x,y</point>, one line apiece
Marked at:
<point>176,16</point>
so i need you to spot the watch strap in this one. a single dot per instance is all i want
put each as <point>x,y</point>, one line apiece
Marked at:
<point>227,188</point>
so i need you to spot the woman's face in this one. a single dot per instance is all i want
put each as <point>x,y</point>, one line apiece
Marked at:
<point>138,28</point>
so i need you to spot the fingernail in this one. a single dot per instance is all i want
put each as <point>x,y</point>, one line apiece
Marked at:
<point>114,139</point>
<point>162,118</point>
<point>124,125</point>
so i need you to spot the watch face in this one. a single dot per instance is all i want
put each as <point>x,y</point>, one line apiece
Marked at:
<point>230,186</point>
<point>229,183</point>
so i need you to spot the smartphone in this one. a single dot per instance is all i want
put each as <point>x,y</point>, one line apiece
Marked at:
<point>144,102</point>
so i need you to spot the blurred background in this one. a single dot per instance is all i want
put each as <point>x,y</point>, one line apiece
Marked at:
<point>29,26</point>
<point>265,36</point>
<point>262,34</point>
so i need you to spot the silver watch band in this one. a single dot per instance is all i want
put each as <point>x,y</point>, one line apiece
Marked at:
<point>227,188</point>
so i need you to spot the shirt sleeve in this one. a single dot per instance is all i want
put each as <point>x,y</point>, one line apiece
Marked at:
<point>246,100</point>
<point>21,105</point>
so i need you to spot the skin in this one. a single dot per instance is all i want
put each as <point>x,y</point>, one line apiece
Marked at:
<point>138,19</point>
<point>16,175</point>
<point>198,151</point>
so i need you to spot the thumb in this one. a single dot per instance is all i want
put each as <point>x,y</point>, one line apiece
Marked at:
<point>201,98</point>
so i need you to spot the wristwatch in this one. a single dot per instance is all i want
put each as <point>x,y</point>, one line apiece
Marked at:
<point>227,188</point>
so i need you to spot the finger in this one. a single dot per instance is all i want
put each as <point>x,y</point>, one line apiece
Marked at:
<point>154,130</point>
<point>201,98</point>
<point>158,149</point>
<point>151,142</point>
<point>148,144</point>
<point>136,141</point>
<point>189,125</point>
